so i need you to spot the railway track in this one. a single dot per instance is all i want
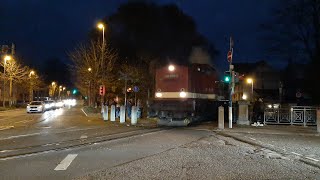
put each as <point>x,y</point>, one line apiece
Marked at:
<point>11,153</point>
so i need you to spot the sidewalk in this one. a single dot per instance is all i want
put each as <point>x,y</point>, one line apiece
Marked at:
<point>295,142</point>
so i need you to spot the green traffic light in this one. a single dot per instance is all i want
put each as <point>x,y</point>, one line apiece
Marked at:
<point>74,91</point>
<point>226,79</point>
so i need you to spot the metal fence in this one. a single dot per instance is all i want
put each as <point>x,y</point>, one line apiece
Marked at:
<point>298,115</point>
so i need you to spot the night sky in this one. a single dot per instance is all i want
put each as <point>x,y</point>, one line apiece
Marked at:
<point>43,29</point>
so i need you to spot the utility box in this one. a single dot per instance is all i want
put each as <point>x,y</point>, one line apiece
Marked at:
<point>243,114</point>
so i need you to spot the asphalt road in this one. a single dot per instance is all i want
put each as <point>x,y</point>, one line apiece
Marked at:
<point>65,144</point>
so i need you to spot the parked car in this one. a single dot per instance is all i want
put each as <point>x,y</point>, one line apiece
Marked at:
<point>35,106</point>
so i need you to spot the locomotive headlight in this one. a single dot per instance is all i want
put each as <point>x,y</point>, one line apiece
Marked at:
<point>158,95</point>
<point>171,68</point>
<point>183,94</point>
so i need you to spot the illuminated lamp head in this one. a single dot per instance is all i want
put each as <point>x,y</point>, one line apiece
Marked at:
<point>171,68</point>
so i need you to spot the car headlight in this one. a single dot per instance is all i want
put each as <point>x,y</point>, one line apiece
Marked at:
<point>183,94</point>
<point>158,95</point>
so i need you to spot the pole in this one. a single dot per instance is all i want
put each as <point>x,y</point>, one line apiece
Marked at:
<point>102,65</point>
<point>125,91</point>
<point>135,98</point>
<point>252,99</point>
<point>4,83</point>
<point>230,84</point>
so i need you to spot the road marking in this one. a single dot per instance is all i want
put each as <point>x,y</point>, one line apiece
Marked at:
<point>23,135</point>
<point>65,163</point>
<point>46,127</point>
<point>252,139</point>
<point>84,112</point>
<point>83,137</point>
<point>296,154</point>
<point>312,159</point>
<point>5,127</point>
<point>24,121</point>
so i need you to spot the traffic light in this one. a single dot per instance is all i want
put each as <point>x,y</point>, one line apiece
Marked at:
<point>102,90</point>
<point>227,77</point>
<point>74,91</point>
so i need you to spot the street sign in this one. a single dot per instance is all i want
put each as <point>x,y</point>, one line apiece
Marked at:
<point>135,89</point>
<point>229,56</point>
<point>102,90</point>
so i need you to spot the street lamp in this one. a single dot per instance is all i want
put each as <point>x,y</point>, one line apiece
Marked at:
<point>250,81</point>
<point>6,58</point>
<point>53,84</point>
<point>89,91</point>
<point>101,26</point>
<point>32,73</point>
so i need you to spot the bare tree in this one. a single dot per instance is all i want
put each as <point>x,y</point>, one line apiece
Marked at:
<point>92,66</point>
<point>294,35</point>
<point>14,73</point>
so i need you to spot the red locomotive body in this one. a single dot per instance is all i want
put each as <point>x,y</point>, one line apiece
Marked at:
<point>185,94</point>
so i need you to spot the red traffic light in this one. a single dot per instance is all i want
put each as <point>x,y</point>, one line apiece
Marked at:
<point>102,90</point>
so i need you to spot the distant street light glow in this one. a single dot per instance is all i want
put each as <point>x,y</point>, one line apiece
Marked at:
<point>7,58</point>
<point>100,26</point>
<point>244,97</point>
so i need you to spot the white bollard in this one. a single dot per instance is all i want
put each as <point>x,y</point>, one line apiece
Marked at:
<point>134,115</point>
<point>122,114</point>
<point>113,113</point>
<point>221,117</point>
<point>105,113</point>
<point>318,120</point>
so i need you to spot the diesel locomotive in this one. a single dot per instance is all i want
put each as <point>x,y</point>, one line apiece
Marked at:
<point>185,94</point>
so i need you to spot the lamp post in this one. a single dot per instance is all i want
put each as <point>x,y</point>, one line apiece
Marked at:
<point>53,84</point>
<point>6,58</point>
<point>60,89</point>
<point>250,81</point>
<point>89,91</point>
<point>63,93</point>
<point>101,26</point>
<point>32,73</point>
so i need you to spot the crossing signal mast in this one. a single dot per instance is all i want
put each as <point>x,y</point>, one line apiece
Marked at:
<point>230,80</point>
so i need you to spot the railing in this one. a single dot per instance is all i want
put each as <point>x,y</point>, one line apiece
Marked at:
<point>298,115</point>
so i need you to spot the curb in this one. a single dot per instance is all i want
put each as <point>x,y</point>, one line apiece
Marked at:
<point>301,159</point>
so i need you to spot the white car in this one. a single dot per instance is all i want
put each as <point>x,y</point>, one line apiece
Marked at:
<point>49,104</point>
<point>35,106</point>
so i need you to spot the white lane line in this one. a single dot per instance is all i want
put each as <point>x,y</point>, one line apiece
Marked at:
<point>23,135</point>
<point>296,154</point>
<point>83,137</point>
<point>252,139</point>
<point>84,112</point>
<point>65,163</point>
<point>312,159</point>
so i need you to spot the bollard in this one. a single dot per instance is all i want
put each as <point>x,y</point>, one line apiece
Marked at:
<point>122,114</point>
<point>134,115</point>
<point>105,113</point>
<point>221,118</point>
<point>113,113</point>
<point>318,120</point>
